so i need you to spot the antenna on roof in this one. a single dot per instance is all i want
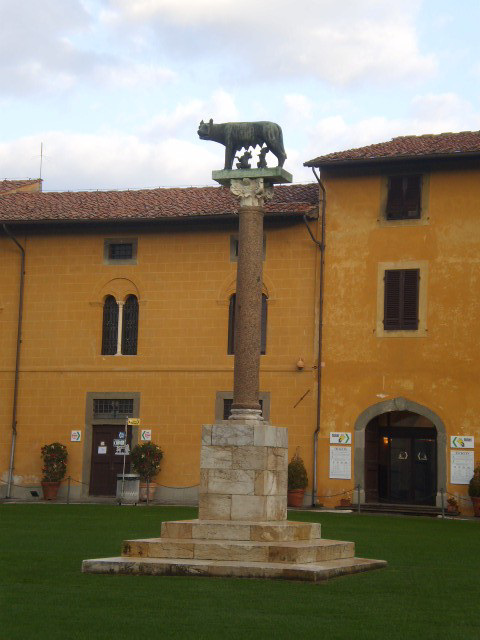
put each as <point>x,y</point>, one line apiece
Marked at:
<point>41,159</point>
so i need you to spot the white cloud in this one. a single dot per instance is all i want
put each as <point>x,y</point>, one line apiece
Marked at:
<point>134,74</point>
<point>342,43</point>
<point>106,161</point>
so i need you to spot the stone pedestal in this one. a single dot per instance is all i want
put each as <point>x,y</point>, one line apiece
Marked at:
<point>242,529</point>
<point>243,472</point>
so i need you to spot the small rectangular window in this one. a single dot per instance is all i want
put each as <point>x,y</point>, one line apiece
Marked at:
<point>120,251</point>
<point>404,197</point>
<point>401,299</point>
<point>112,408</point>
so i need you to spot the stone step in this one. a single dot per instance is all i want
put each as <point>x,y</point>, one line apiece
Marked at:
<point>313,572</point>
<point>241,530</point>
<point>303,551</point>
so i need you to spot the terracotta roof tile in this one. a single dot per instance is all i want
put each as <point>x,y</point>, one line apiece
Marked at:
<point>430,145</point>
<point>147,204</point>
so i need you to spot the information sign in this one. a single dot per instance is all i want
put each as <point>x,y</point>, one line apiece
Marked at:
<point>462,442</point>
<point>146,435</point>
<point>75,435</point>
<point>461,466</point>
<point>133,422</point>
<point>340,437</point>
<point>341,462</point>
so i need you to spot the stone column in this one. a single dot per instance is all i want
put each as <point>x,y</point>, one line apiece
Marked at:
<point>248,303</point>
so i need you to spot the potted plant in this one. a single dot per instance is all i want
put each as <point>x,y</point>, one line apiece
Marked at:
<point>474,491</point>
<point>54,458</point>
<point>452,506</point>
<point>146,458</point>
<point>297,481</point>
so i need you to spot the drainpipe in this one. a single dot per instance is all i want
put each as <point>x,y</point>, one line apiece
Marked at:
<point>17,360</point>
<point>321,246</point>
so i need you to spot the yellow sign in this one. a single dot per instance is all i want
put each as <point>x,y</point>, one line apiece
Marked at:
<point>133,422</point>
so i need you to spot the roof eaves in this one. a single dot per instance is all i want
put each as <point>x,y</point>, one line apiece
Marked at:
<point>393,158</point>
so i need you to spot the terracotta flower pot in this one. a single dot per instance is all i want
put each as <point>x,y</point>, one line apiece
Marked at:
<point>50,490</point>
<point>143,491</point>
<point>295,497</point>
<point>476,506</point>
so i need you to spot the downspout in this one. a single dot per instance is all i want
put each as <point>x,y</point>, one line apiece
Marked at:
<point>17,360</point>
<point>321,246</point>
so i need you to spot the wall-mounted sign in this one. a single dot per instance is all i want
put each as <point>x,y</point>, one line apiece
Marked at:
<point>146,435</point>
<point>102,450</point>
<point>343,437</point>
<point>461,466</point>
<point>341,462</point>
<point>133,422</point>
<point>462,442</point>
<point>75,435</point>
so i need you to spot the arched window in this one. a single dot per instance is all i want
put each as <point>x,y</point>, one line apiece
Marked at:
<point>120,327</point>
<point>130,326</point>
<point>231,325</point>
<point>110,326</point>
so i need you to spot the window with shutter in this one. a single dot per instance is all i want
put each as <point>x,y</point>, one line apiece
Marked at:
<point>231,326</point>
<point>401,299</point>
<point>110,326</point>
<point>130,326</point>
<point>404,197</point>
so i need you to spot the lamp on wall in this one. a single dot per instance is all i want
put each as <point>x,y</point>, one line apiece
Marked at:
<point>300,364</point>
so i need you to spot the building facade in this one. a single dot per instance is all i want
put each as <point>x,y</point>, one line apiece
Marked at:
<point>370,323</point>
<point>126,308</point>
<point>401,313</point>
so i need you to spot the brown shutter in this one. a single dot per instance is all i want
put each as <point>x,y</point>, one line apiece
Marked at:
<point>231,326</point>
<point>392,309</point>
<point>412,200</point>
<point>411,279</point>
<point>401,299</point>
<point>395,197</point>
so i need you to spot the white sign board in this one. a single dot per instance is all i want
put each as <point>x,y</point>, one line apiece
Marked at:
<point>75,435</point>
<point>462,442</point>
<point>145,435</point>
<point>341,462</point>
<point>102,450</point>
<point>461,466</point>
<point>343,437</point>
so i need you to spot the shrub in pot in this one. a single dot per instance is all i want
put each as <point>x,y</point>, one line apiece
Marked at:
<point>54,468</point>
<point>146,459</point>
<point>474,491</point>
<point>297,481</point>
<point>452,505</point>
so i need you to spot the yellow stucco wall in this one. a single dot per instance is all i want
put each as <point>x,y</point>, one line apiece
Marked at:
<point>439,370</point>
<point>183,279</point>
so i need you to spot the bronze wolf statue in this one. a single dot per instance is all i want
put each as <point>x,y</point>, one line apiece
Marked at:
<point>238,135</point>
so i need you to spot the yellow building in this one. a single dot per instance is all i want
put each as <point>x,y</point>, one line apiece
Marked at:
<point>126,305</point>
<point>370,361</point>
<point>401,355</point>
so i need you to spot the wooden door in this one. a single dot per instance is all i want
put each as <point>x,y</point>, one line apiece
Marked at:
<point>107,461</point>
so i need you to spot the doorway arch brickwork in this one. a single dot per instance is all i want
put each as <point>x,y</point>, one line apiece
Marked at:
<point>399,404</point>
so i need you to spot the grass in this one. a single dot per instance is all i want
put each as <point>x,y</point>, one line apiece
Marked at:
<point>429,590</point>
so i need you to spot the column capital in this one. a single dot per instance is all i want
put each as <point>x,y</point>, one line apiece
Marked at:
<point>253,192</point>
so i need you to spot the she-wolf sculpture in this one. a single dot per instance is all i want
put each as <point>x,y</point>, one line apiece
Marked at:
<point>238,135</point>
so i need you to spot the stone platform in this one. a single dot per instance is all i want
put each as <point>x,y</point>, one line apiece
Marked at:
<point>284,549</point>
<point>242,530</point>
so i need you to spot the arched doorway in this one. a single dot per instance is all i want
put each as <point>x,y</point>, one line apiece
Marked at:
<point>400,453</point>
<point>401,459</point>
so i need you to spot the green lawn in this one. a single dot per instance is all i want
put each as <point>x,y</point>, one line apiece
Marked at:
<point>429,590</point>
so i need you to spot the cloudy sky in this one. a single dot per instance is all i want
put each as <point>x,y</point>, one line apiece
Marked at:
<point>115,89</point>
